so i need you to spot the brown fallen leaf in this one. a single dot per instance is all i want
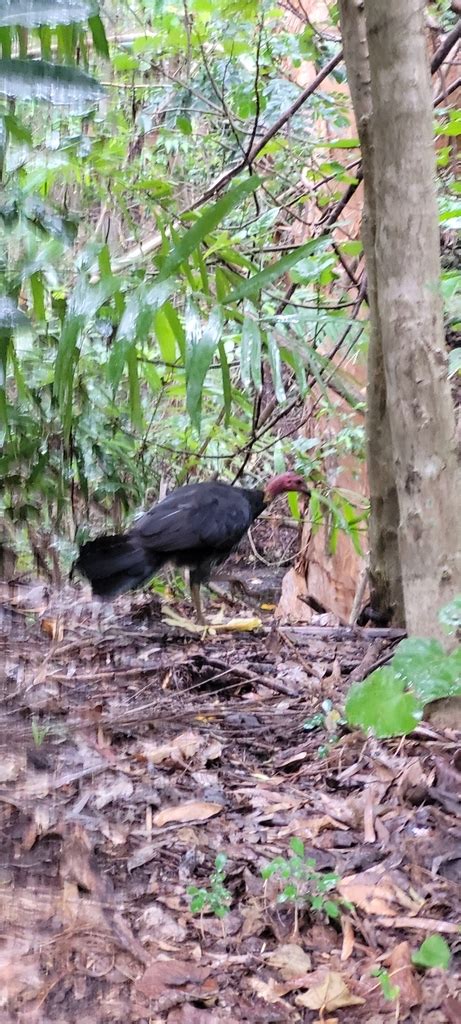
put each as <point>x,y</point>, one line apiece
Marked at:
<point>290,960</point>
<point>328,992</point>
<point>267,990</point>
<point>193,810</point>
<point>403,974</point>
<point>165,974</point>
<point>376,893</point>
<point>183,748</point>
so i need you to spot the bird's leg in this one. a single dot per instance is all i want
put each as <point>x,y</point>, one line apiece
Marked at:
<point>195,595</point>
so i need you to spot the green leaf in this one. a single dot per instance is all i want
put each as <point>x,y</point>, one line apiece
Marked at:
<point>133,382</point>
<point>261,280</point>
<point>220,861</point>
<point>250,333</point>
<point>454,362</point>
<point>450,615</point>
<point>424,666</point>
<point>165,336</point>
<point>99,36</point>
<point>226,383</point>
<point>199,355</point>
<point>55,83</point>
<point>297,845</point>
<point>136,321</point>
<point>293,505</point>
<point>433,952</point>
<point>176,327</point>
<point>206,223</point>
<point>276,368</point>
<point>32,13</point>
<point>38,296</point>
<point>381,705</point>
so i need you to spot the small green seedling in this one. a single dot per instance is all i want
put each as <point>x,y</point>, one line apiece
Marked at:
<point>216,899</point>
<point>328,719</point>
<point>433,952</point>
<point>389,991</point>
<point>39,732</point>
<point>301,884</point>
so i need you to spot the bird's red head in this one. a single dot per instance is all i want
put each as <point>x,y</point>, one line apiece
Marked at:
<point>285,482</point>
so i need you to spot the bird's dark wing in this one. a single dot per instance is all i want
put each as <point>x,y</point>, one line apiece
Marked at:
<point>199,516</point>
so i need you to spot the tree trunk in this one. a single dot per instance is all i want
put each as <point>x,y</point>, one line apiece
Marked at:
<point>385,576</point>
<point>408,311</point>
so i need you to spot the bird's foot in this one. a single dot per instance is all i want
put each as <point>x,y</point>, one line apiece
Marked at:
<point>171,618</point>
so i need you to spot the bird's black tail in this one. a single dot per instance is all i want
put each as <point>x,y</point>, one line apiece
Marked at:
<point>114,564</point>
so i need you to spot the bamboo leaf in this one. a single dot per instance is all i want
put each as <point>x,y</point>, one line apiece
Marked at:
<point>226,383</point>
<point>165,336</point>
<point>55,83</point>
<point>98,33</point>
<point>133,382</point>
<point>199,357</point>
<point>32,13</point>
<point>259,281</point>
<point>275,361</point>
<point>38,295</point>
<point>206,223</point>
<point>176,327</point>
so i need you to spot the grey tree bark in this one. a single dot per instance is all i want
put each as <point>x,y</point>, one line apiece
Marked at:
<point>419,403</point>
<point>385,575</point>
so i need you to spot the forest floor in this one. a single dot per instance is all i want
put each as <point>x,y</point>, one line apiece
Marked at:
<point>134,754</point>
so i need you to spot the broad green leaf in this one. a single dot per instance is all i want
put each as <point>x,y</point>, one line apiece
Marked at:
<point>433,952</point>
<point>450,615</point>
<point>381,705</point>
<point>55,83</point>
<point>165,336</point>
<point>206,223</point>
<point>258,281</point>
<point>143,302</point>
<point>454,362</point>
<point>176,327</point>
<point>32,13</point>
<point>275,361</point>
<point>83,304</point>
<point>104,262</point>
<point>423,665</point>
<point>199,356</point>
<point>293,505</point>
<point>67,37</point>
<point>99,36</point>
<point>45,37</point>
<point>315,511</point>
<point>6,42</point>
<point>38,296</point>
<point>294,360</point>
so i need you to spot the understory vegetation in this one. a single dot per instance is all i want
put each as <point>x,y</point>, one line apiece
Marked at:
<point>173,290</point>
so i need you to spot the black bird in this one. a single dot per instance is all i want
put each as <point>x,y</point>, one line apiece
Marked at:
<point>195,526</point>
